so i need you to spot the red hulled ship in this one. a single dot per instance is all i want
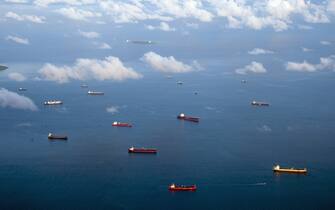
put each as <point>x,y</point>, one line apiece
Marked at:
<point>142,150</point>
<point>174,187</point>
<point>182,116</point>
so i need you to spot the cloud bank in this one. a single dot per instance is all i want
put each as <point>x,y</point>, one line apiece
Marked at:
<point>259,51</point>
<point>18,40</point>
<point>16,101</point>
<point>110,68</point>
<point>16,77</point>
<point>325,63</point>
<point>30,18</point>
<point>253,67</point>
<point>168,64</point>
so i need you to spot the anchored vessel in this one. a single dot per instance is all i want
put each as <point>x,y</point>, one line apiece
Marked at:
<point>95,93</point>
<point>259,103</point>
<point>174,187</point>
<point>277,168</point>
<point>120,124</point>
<point>182,116</point>
<point>142,150</point>
<point>52,136</point>
<point>53,102</point>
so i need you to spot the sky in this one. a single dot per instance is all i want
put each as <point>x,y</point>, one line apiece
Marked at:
<point>68,40</point>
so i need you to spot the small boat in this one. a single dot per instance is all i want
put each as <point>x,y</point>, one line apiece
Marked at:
<point>243,81</point>
<point>53,102</point>
<point>179,82</point>
<point>52,137</point>
<point>142,150</point>
<point>259,103</point>
<point>120,124</point>
<point>22,89</point>
<point>84,86</point>
<point>95,93</point>
<point>277,168</point>
<point>182,116</point>
<point>174,187</point>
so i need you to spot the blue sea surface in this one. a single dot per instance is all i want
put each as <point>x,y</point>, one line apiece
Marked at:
<point>229,155</point>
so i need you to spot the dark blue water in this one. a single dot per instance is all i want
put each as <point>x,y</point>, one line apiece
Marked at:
<point>229,154</point>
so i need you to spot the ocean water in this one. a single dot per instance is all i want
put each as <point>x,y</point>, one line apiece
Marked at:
<point>229,155</point>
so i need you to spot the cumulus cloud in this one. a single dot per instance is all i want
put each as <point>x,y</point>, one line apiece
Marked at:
<point>77,14</point>
<point>110,68</point>
<point>16,101</point>
<point>124,12</point>
<point>17,39</point>
<point>253,67</point>
<point>259,51</point>
<point>104,46</point>
<point>30,18</point>
<point>17,1</point>
<point>168,64</point>
<point>325,63</point>
<point>45,3</point>
<point>16,77</point>
<point>89,34</point>
<point>265,129</point>
<point>112,109</point>
<point>163,26</point>
<point>325,43</point>
<point>304,49</point>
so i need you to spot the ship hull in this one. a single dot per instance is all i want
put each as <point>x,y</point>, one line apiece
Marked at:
<point>143,151</point>
<point>292,171</point>
<point>183,188</point>
<point>123,125</point>
<point>57,137</point>
<point>191,119</point>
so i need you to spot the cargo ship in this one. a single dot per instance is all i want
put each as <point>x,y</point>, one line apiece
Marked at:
<point>259,103</point>
<point>120,124</point>
<point>142,150</point>
<point>53,102</point>
<point>95,93</point>
<point>182,116</point>
<point>53,137</point>
<point>22,89</point>
<point>277,168</point>
<point>174,187</point>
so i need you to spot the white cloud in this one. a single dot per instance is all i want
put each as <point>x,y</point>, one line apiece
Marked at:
<point>325,43</point>
<point>104,46</point>
<point>77,14</point>
<point>31,18</point>
<point>17,39</point>
<point>162,26</point>
<point>16,77</point>
<point>16,101</point>
<point>112,109</point>
<point>122,12</point>
<point>253,67</point>
<point>167,64</point>
<point>45,3</point>
<point>325,63</point>
<point>259,51</point>
<point>265,129</point>
<point>304,49</point>
<point>17,1</point>
<point>89,34</point>
<point>110,68</point>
